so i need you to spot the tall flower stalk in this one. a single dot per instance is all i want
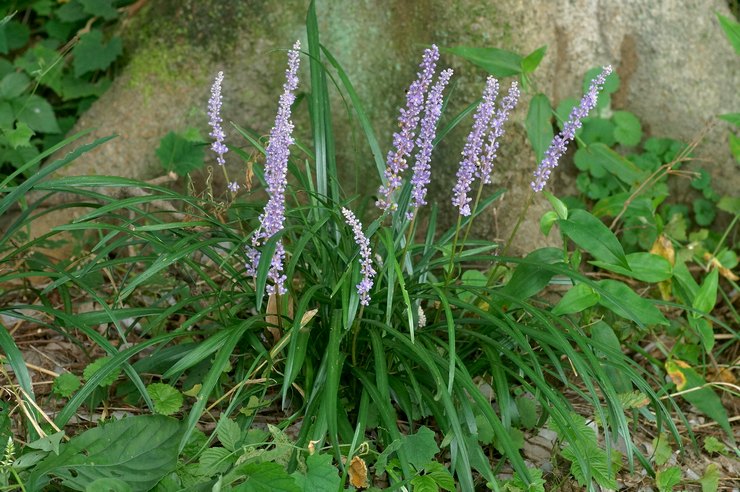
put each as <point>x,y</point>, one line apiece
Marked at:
<point>560,142</point>
<point>404,139</point>
<point>214,115</point>
<point>272,218</point>
<point>366,261</point>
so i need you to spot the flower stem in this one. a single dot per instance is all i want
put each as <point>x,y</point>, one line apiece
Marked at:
<point>504,251</point>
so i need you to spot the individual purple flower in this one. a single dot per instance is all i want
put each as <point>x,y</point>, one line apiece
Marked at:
<point>506,105</point>
<point>403,140</point>
<point>214,113</point>
<point>422,169</point>
<point>366,262</point>
<point>234,187</point>
<point>560,142</point>
<point>276,177</point>
<point>471,152</point>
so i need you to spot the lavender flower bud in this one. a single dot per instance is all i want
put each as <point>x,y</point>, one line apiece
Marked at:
<point>366,262</point>
<point>471,151</point>
<point>403,141</point>
<point>506,105</point>
<point>560,142</point>
<point>276,176</point>
<point>422,169</point>
<point>234,187</point>
<point>214,113</point>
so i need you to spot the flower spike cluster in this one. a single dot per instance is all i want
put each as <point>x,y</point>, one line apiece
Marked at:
<point>276,176</point>
<point>214,113</point>
<point>506,105</point>
<point>560,142</point>
<point>366,262</point>
<point>405,139</point>
<point>422,170</point>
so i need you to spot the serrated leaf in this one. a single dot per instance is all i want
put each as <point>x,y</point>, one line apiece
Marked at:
<point>382,461</point>
<point>213,461</point>
<point>266,477</point>
<point>91,53</point>
<point>38,114</point>
<point>228,432</point>
<point>628,130</point>
<point>714,445</point>
<point>20,136</point>
<point>527,408</point>
<point>440,475</point>
<point>624,302</point>
<point>633,399</point>
<point>71,12</point>
<point>578,298</point>
<point>497,62</point>
<point>662,450</point>
<point>321,474</point>
<point>420,447</point>
<point>100,8</point>
<point>424,483</point>
<point>710,480</point>
<point>95,366</point>
<point>13,85</point>
<point>142,448</point>
<point>732,30</point>
<point>66,384</point>
<point>180,155</point>
<point>599,467</point>
<point>668,478</point>
<point>167,399</point>
<point>13,35</point>
<point>538,125</point>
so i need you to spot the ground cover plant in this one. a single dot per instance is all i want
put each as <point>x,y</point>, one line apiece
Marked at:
<point>318,341</point>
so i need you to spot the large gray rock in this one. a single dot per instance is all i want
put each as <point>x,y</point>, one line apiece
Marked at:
<point>677,71</point>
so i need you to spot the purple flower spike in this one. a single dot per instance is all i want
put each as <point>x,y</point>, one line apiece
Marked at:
<point>471,152</point>
<point>560,142</point>
<point>234,187</point>
<point>403,141</point>
<point>506,105</point>
<point>276,176</point>
<point>422,169</point>
<point>366,262</point>
<point>214,113</point>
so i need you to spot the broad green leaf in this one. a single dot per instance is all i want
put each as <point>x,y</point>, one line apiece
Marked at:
<point>733,118</point>
<point>38,114</point>
<point>91,53</point>
<point>266,477</point>
<point>714,445</point>
<point>732,30</point>
<point>527,408</point>
<point>73,87</point>
<point>167,399</point>
<point>624,302</point>
<point>619,166</point>
<point>532,60</point>
<point>49,443</point>
<point>529,277</point>
<point>321,474</point>
<point>705,399</point>
<point>628,130</point>
<point>440,475</point>
<point>604,336</point>
<point>706,296</point>
<point>646,267</point>
<point>71,12</point>
<point>558,206</point>
<point>704,329</point>
<point>13,85</point>
<point>100,8</point>
<point>539,125</point>
<point>180,155</point>
<point>729,204</point>
<point>66,384</point>
<point>424,483</point>
<point>142,448</point>
<point>215,460</point>
<point>578,298</point>
<point>497,62</point>
<point>710,480</point>
<point>7,116</point>
<point>420,447</point>
<point>108,485</point>
<point>590,234</point>
<point>548,220</point>
<point>228,432</point>
<point>20,136</point>
<point>668,478</point>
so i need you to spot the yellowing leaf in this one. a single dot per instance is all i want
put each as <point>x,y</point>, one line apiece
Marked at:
<point>358,473</point>
<point>724,271</point>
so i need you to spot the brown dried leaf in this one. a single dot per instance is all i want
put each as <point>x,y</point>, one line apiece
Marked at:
<point>358,473</point>
<point>724,271</point>
<point>272,314</point>
<point>663,247</point>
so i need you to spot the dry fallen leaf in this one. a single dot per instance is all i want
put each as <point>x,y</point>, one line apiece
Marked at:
<point>272,313</point>
<point>724,271</point>
<point>358,473</point>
